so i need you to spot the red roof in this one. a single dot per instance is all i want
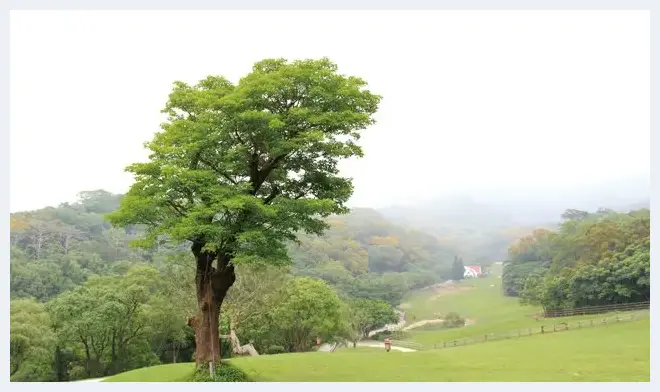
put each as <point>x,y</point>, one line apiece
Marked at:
<point>474,268</point>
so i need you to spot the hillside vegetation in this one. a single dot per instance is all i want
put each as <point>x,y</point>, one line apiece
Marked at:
<point>594,259</point>
<point>70,268</point>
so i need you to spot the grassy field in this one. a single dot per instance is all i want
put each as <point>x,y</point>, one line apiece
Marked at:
<point>176,372</point>
<point>479,300</point>
<point>613,353</point>
<point>361,349</point>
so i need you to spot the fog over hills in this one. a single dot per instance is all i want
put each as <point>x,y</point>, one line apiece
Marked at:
<point>499,207</point>
<point>482,223</point>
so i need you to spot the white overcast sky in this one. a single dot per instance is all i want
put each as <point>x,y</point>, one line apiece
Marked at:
<point>505,100</point>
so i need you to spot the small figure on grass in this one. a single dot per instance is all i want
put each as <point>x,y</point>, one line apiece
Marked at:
<point>388,344</point>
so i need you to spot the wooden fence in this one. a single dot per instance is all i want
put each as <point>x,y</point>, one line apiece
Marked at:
<point>566,312</point>
<point>543,329</point>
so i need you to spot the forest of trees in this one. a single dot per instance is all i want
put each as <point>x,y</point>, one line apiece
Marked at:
<point>84,303</point>
<point>593,259</point>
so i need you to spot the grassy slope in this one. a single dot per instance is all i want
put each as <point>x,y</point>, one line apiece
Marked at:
<point>176,372</point>
<point>491,311</point>
<point>613,353</point>
<point>617,352</point>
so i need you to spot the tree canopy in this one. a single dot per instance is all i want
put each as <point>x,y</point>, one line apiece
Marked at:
<point>242,168</point>
<point>593,259</point>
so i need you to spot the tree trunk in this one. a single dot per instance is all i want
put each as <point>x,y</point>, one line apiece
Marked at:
<point>88,361</point>
<point>113,355</point>
<point>212,285</point>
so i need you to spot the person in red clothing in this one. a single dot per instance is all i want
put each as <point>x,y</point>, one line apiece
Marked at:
<point>388,344</point>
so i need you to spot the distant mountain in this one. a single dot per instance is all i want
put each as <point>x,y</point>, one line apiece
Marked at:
<point>482,226</point>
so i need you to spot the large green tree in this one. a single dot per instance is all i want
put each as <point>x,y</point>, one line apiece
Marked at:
<point>308,309</point>
<point>457,269</point>
<point>365,315</point>
<point>239,169</point>
<point>31,341</point>
<point>111,320</point>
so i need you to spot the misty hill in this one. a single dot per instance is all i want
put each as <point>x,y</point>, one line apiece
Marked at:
<point>57,248</point>
<point>482,226</point>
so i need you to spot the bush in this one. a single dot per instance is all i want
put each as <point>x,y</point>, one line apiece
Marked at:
<point>453,320</point>
<point>275,350</point>
<point>223,373</point>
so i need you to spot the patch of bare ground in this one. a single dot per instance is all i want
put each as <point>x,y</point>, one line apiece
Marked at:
<point>422,323</point>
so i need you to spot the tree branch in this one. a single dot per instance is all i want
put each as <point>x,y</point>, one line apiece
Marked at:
<point>257,177</point>
<point>218,171</point>
<point>273,194</point>
<point>176,208</point>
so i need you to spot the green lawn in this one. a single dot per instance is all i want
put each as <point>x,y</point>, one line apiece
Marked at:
<point>490,310</point>
<point>612,353</point>
<point>176,372</point>
<point>618,352</point>
<point>483,303</point>
<point>615,352</point>
<point>479,301</point>
<point>360,348</point>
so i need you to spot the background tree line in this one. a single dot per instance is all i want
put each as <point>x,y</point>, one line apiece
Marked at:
<point>593,259</point>
<point>86,304</point>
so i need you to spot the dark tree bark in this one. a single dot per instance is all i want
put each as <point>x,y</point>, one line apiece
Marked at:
<point>212,284</point>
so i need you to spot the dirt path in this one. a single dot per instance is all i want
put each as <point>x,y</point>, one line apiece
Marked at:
<point>422,323</point>
<point>370,343</point>
<point>92,380</point>
<point>326,348</point>
<point>391,327</point>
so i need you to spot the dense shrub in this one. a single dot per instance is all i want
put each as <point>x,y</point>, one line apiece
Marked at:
<point>453,320</point>
<point>223,373</point>
<point>275,350</point>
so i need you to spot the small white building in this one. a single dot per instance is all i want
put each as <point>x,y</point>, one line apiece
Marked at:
<point>472,271</point>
